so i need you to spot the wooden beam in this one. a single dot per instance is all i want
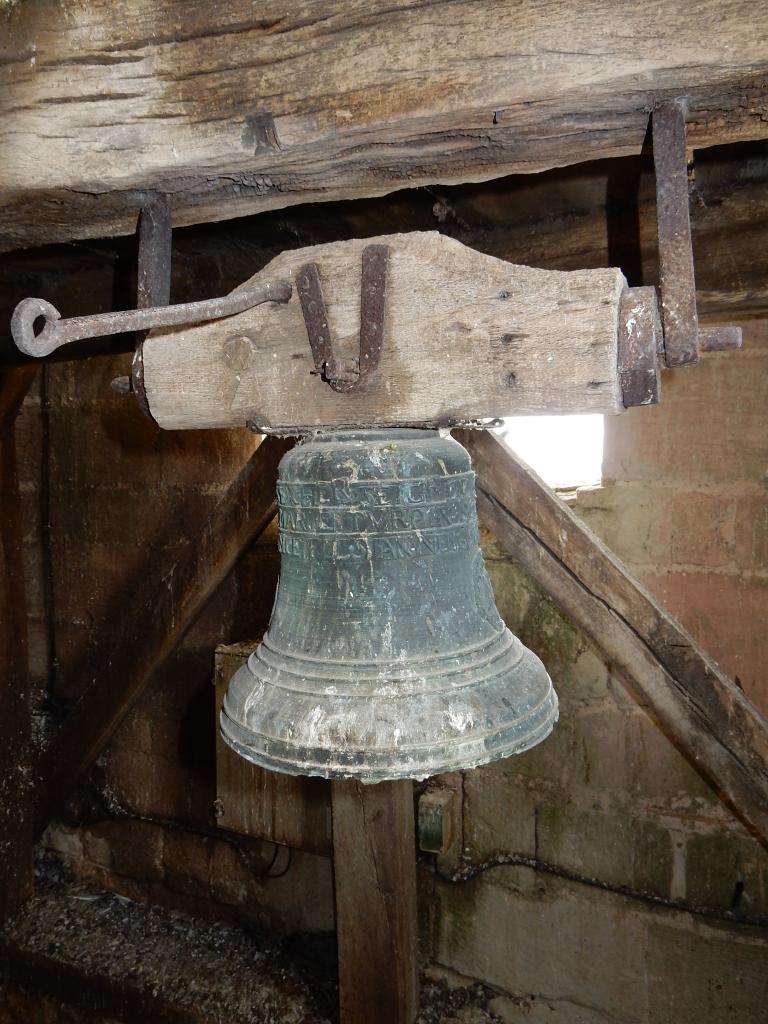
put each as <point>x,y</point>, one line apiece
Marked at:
<point>124,665</point>
<point>16,840</point>
<point>374,865</point>
<point>237,110</point>
<point>466,336</point>
<point>604,214</point>
<point>702,711</point>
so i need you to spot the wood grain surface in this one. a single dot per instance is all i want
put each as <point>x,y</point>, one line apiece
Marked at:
<point>374,866</point>
<point>240,107</point>
<point>466,337</point>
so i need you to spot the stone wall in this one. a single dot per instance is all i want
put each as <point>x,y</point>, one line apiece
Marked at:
<point>606,881</point>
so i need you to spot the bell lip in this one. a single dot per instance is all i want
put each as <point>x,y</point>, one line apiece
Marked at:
<point>454,754</point>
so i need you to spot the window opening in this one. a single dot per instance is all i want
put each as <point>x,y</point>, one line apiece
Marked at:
<point>565,451</point>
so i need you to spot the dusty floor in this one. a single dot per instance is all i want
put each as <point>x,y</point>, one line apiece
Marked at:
<point>195,970</point>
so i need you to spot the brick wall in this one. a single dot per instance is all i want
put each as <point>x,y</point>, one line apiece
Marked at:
<point>685,503</point>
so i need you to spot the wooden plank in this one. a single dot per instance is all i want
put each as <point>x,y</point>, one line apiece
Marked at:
<point>16,838</point>
<point>123,666</point>
<point>466,336</point>
<point>240,109</point>
<point>290,809</point>
<point>705,714</point>
<point>374,863</point>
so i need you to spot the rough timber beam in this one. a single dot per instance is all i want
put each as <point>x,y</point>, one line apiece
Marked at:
<point>706,715</point>
<point>465,337</point>
<point>232,109</point>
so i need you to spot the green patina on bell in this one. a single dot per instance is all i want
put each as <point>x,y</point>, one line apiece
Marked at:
<point>385,656</point>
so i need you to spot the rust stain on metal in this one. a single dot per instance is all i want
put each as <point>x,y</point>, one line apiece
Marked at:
<point>137,382</point>
<point>678,286</point>
<point>683,340</point>
<point>346,375</point>
<point>315,314</point>
<point>154,283</point>
<point>372,294</point>
<point>720,339</point>
<point>638,350</point>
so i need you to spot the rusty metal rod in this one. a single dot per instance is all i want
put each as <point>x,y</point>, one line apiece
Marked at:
<point>720,339</point>
<point>345,375</point>
<point>57,332</point>
<point>678,289</point>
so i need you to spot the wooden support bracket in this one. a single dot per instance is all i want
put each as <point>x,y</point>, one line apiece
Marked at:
<point>466,337</point>
<point>345,100</point>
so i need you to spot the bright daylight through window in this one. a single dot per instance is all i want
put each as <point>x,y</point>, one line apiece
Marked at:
<point>566,451</point>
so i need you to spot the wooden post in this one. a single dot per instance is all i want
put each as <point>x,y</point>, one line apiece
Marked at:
<point>374,857</point>
<point>16,840</point>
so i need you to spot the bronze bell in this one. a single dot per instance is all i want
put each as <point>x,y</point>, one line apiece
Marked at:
<point>385,656</point>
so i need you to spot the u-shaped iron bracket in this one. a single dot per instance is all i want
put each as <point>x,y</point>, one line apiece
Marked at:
<point>346,375</point>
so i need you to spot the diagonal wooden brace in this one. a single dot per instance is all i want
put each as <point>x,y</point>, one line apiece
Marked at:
<point>177,595</point>
<point>723,735</point>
